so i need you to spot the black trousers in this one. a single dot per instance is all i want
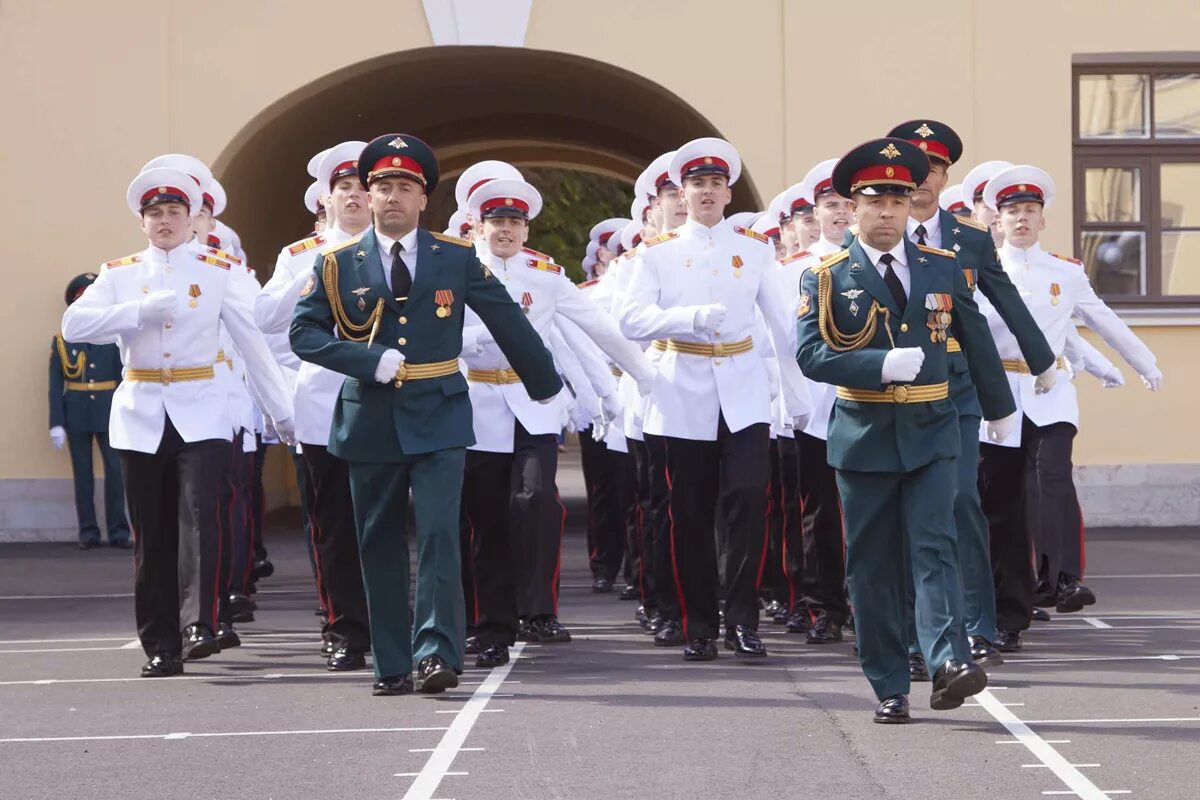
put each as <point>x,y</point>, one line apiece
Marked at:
<point>515,525</point>
<point>258,500</point>
<point>79,445</point>
<point>603,475</point>
<point>822,538</point>
<point>783,572</point>
<point>234,543</point>
<point>1002,494</point>
<point>172,497</point>
<point>660,593</point>
<point>725,479</point>
<point>335,546</point>
<point>1052,505</point>
<point>305,507</point>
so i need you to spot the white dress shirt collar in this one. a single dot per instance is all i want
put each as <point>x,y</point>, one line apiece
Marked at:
<point>933,229</point>
<point>899,262</point>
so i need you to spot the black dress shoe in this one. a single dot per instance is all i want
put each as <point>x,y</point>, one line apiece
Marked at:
<point>550,630</point>
<point>824,631</point>
<point>849,623</point>
<point>89,544</point>
<point>263,568</point>
<point>242,616</point>
<point>239,603</point>
<point>1040,615</point>
<point>602,586</point>
<point>1043,595</point>
<point>782,617</point>
<point>800,622</point>
<point>120,544</point>
<point>893,710</point>
<point>669,635</point>
<point>744,642</point>
<point>653,624</point>
<point>700,650</point>
<point>918,672</point>
<point>1008,641</point>
<point>392,685</point>
<point>472,645</point>
<point>328,648</point>
<point>198,642</point>
<point>435,675</point>
<point>346,660</point>
<point>1073,596</point>
<point>954,683</point>
<point>162,665</point>
<point>319,611</point>
<point>630,592</point>
<point>227,637</point>
<point>775,609</point>
<point>494,656</point>
<point>641,615</point>
<point>984,653</point>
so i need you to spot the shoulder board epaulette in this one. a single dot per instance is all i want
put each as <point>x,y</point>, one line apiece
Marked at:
<point>751,234</point>
<point>1068,258</point>
<point>544,266</point>
<point>445,237</point>
<point>123,262</point>
<point>305,244</point>
<point>662,237</point>
<point>795,257</point>
<point>936,251</point>
<point>210,259</point>
<point>222,254</point>
<point>342,246</point>
<point>529,251</point>
<point>979,226</point>
<point>832,259</point>
<point>586,284</point>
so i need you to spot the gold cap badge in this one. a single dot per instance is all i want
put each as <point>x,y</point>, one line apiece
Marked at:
<point>924,131</point>
<point>891,151</point>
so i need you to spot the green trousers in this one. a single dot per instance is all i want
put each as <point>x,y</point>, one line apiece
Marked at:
<point>437,622</point>
<point>896,522</point>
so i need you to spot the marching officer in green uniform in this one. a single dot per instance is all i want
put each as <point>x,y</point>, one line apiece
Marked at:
<point>386,310</point>
<point>874,320</point>
<point>82,380</point>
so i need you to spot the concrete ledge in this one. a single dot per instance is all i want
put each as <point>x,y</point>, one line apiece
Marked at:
<point>1139,495</point>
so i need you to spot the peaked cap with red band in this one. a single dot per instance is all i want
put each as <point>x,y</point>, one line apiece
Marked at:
<point>937,139</point>
<point>398,155</point>
<point>881,166</point>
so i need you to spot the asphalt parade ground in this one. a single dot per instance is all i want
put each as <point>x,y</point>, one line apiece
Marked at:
<point>1096,706</point>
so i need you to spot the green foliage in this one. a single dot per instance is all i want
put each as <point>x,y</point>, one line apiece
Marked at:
<point>574,201</point>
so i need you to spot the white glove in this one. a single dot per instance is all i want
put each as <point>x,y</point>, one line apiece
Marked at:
<point>599,428</point>
<point>483,341</point>
<point>58,437</point>
<point>547,400</point>
<point>285,430</point>
<point>157,308</point>
<point>1045,382</point>
<point>902,364</point>
<point>999,430</point>
<point>709,318</point>
<point>389,363</point>
<point>610,406</point>
<point>1152,380</point>
<point>800,421</point>
<point>1112,379</point>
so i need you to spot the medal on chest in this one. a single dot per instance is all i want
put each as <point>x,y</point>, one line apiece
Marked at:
<point>526,301</point>
<point>194,292</point>
<point>359,293</point>
<point>444,299</point>
<point>1055,291</point>
<point>938,306</point>
<point>737,262</point>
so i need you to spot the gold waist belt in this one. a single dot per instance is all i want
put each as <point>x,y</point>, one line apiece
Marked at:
<point>221,357</point>
<point>952,345</point>
<point>1020,367</point>
<point>717,350</point>
<point>91,386</point>
<point>169,375</point>
<point>897,394</point>
<point>616,371</point>
<point>497,376</point>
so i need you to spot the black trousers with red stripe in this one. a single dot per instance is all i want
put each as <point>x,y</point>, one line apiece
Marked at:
<point>604,472</point>
<point>824,563</point>
<point>660,594</point>
<point>784,571</point>
<point>515,524</point>
<point>172,499</point>
<point>335,548</point>
<point>725,479</point>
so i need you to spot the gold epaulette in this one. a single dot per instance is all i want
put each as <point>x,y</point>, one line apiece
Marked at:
<point>662,237</point>
<point>544,266</point>
<point>123,262</point>
<point>299,247</point>
<point>1068,258</point>
<point>795,257</point>
<point>216,262</point>
<point>72,368</point>
<point>937,251</point>
<point>529,251</point>
<point>972,223</point>
<point>222,254</point>
<point>831,259</point>
<point>751,234</point>
<point>445,237</point>
<point>336,247</point>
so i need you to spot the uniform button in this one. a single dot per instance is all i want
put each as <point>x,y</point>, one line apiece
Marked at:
<point>91,397</point>
<point>92,366</point>
<point>404,320</point>
<point>402,340</point>
<point>904,327</point>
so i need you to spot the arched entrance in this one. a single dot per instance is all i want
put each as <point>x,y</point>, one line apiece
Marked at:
<point>530,107</point>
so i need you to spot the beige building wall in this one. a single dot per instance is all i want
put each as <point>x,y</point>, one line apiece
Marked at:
<point>92,91</point>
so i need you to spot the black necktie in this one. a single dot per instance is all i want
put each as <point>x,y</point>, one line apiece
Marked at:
<point>401,277</point>
<point>920,232</point>
<point>893,281</point>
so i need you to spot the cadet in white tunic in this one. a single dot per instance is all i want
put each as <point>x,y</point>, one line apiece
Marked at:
<point>696,290</point>
<point>170,420</point>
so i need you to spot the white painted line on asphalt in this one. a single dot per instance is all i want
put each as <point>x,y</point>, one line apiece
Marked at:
<point>267,676</point>
<point>435,749</point>
<point>1146,575</point>
<point>135,644</point>
<point>980,705</point>
<point>68,641</point>
<point>1074,659</point>
<point>1043,766</point>
<point>1073,778</point>
<point>1110,721</point>
<point>57,650</point>
<point>123,595</point>
<point>415,774</point>
<point>1102,792</point>
<point>480,711</point>
<point>173,736</point>
<point>1095,622</point>
<point>1047,741</point>
<point>1129,617</point>
<point>440,761</point>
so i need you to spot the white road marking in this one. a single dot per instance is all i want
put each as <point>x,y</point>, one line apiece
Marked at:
<point>126,646</point>
<point>480,711</point>
<point>440,761</point>
<point>1072,659</point>
<point>1109,721</point>
<point>170,736</point>
<point>67,641</point>
<point>1073,778</point>
<point>135,644</point>
<point>1044,766</point>
<point>980,705</point>
<point>1144,575</point>
<point>1047,741</point>
<point>123,595</point>
<point>435,749</point>
<point>416,774</point>
<point>1103,792</point>
<point>267,676</point>
<point>1095,622</point>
